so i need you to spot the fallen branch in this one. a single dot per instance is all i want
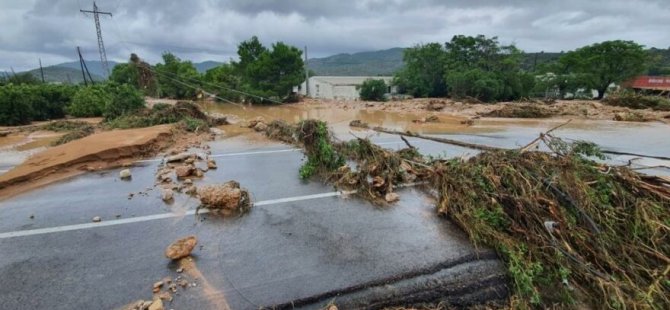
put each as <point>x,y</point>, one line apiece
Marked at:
<point>436,139</point>
<point>536,140</point>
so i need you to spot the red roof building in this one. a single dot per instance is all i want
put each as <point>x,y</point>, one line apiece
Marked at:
<point>660,83</point>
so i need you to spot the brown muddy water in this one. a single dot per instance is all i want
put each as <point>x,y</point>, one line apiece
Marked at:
<point>642,138</point>
<point>646,138</point>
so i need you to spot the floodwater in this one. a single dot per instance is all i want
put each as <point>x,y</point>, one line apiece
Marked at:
<point>641,138</point>
<point>17,147</point>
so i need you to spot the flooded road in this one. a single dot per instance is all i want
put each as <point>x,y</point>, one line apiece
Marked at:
<point>632,137</point>
<point>301,241</point>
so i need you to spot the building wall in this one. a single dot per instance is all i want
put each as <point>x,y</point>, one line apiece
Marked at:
<point>338,87</point>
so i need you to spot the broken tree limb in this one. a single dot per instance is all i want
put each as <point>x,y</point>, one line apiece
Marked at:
<point>541,136</point>
<point>436,139</point>
<point>634,154</point>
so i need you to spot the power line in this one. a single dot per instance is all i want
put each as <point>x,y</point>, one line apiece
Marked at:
<point>101,44</point>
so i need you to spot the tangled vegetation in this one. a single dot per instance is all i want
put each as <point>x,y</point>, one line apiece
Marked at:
<point>572,231</point>
<point>638,101</point>
<point>186,114</point>
<point>525,111</point>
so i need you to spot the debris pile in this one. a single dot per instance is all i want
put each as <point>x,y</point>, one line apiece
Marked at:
<point>572,231</point>
<point>228,198</point>
<point>522,111</point>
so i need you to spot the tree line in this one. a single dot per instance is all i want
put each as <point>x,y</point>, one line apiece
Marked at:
<point>484,69</point>
<point>261,75</point>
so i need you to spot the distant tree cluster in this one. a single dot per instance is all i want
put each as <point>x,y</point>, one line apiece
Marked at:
<point>260,73</point>
<point>373,90</point>
<point>481,68</point>
<point>476,67</point>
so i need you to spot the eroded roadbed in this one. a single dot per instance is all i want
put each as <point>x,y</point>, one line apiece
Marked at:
<point>298,248</point>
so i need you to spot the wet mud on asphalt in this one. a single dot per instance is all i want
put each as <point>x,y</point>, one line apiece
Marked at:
<point>304,252</point>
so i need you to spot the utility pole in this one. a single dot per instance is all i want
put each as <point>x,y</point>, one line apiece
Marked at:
<point>101,45</point>
<point>41,70</point>
<point>306,74</point>
<point>82,64</point>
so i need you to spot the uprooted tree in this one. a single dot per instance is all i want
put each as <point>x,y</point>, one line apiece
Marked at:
<point>572,231</point>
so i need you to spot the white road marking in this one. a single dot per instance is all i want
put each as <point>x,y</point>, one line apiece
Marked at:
<point>49,230</point>
<point>231,154</point>
<point>267,152</point>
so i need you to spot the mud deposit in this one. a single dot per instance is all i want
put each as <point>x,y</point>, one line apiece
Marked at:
<point>99,151</point>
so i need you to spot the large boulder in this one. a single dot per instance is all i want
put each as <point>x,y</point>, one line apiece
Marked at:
<point>226,197</point>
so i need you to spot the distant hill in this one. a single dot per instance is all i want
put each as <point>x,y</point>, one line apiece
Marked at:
<point>94,66</point>
<point>374,63</point>
<point>384,62</point>
<point>63,75</point>
<point>387,62</point>
<point>202,67</point>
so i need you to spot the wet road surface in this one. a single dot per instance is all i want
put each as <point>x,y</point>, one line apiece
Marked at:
<point>303,244</point>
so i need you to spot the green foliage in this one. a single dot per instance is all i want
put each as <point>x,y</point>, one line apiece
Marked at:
<point>161,114</point>
<point>81,132</point>
<point>23,78</point>
<point>193,124</point>
<point>90,101</point>
<point>20,104</point>
<point>321,155</point>
<point>15,107</point>
<point>125,74</point>
<point>373,90</point>
<point>602,64</point>
<point>424,71</point>
<point>226,78</point>
<point>174,75</point>
<point>481,68</point>
<point>124,100</point>
<point>65,125</point>
<point>659,63</point>
<point>476,67</point>
<point>271,73</point>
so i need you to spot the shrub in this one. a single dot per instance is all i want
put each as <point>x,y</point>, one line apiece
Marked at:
<point>124,100</point>
<point>50,101</point>
<point>90,101</point>
<point>15,107</point>
<point>373,90</point>
<point>20,104</point>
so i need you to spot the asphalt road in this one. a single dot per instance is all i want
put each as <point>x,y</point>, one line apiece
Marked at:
<point>303,244</point>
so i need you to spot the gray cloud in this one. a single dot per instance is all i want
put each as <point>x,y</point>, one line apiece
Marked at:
<point>210,29</point>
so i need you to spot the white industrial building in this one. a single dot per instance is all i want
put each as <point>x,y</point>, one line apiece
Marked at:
<point>339,87</point>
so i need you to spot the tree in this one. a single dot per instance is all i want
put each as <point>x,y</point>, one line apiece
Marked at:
<point>177,78</point>
<point>124,99</point>
<point>249,52</point>
<point>482,68</point>
<point>125,74</point>
<point>227,79</point>
<point>605,63</point>
<point>424,71</point>
<point>90,101</point>
<point>272,73</point>
<point>373,90</point>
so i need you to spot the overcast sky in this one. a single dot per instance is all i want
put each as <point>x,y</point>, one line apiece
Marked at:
<point>210,29</point>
